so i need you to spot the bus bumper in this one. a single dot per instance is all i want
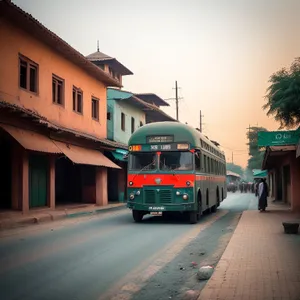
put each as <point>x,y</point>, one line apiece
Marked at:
<point>162,207</point>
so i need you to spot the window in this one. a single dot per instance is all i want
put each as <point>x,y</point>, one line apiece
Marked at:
<point>132,125</point>
<point>142,161</point>
<point>141,124</point>
<point>176,161</point>
<point>112,72</point>
<point>95,108</point>
<point>108,115</point>
<point>28,74</point>
<point>198,161</point>
<point>205,164</point>
<point>57,90</point>
<point>123,121</point>
<point>77,100</point>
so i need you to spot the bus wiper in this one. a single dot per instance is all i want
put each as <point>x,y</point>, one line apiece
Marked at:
<point>141,170</point>
<point>174,174</point>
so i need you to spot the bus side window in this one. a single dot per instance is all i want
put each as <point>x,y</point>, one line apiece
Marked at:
<point>198,161</point>
<point>204,163</point>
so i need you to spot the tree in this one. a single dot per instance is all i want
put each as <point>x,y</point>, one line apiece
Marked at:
<point>283,96</point>
<point>235,168</point>
<point>256,154</point>
<point>248,175</point>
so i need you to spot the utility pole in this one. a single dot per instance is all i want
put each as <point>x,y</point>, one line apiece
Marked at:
<point>249,128</point>
<point>176,100</point>
<point>201,121</point>
<point>176,97</point>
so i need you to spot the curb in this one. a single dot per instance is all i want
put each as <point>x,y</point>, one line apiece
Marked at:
<point>48,217</point>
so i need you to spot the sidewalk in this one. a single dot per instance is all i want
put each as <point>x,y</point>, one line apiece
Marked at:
<point>14,219</point>
<point>260,261</point>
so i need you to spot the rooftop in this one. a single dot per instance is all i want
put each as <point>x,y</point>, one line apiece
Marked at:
<point>152,99</point>
<point>153,113</point>
<point>39,120</point>
<point>100,57</point>
<point>26,22</point>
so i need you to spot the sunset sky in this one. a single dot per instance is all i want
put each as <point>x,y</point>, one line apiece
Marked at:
<point>220,52</point>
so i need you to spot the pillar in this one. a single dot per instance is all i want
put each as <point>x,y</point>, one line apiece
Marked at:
<point>25,181</point>
<point>51,182</point>
<point>121,180</point>
<point>295,187</point>
<point>16,202</point>
<point>101,186</point>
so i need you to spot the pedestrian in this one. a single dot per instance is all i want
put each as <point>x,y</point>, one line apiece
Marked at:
<point>256,188</point>
<point>263,193</point>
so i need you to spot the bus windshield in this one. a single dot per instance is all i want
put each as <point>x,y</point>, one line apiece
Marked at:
<point>142,161</point>
<point>176,161</point>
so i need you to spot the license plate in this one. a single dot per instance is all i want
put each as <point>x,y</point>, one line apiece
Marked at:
<point>156,213</point>
<point>156,208</point>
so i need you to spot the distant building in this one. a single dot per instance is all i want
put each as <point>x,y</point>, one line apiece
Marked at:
<point>126,112</point>
<point>232,177</point>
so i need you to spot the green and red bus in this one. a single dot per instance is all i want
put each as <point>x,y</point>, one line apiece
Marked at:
<point>172,167</point>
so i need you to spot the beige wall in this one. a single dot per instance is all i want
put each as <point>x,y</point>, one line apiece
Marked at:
<point>14,41</point>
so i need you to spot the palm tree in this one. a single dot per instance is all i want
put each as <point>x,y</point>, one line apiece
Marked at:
<point>283,96</point>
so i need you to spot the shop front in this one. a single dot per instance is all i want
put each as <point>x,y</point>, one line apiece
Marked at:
<point>283,165</point>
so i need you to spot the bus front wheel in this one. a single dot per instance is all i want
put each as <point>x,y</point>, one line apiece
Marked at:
<point>137,216</point>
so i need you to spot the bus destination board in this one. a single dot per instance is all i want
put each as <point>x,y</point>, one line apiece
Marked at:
<point>166,147</point>
<point>159,139</point>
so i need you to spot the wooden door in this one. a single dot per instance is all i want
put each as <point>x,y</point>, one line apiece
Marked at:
<point>38,170</point>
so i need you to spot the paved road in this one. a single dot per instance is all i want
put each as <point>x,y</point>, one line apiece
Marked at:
<point>111,257</point>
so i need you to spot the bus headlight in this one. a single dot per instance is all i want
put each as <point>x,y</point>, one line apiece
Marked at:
<point>131,196</point>
<point>185,196</point>
<point>130,183</point>
<point>138,193</point>
<point>177,193</point>
<point>188,183</point>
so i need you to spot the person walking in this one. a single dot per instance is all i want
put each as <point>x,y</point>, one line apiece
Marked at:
<point>263,193</point>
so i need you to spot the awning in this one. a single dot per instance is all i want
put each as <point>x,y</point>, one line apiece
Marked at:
<point>260,173</point>
<point>31,140</point>
<point>85,156</point>
<point>120,154</point>
<point>229,173</point>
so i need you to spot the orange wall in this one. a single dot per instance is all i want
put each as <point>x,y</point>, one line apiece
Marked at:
<point>14,41</point>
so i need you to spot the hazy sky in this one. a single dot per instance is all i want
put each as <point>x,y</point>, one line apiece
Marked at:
<point>221,52</point>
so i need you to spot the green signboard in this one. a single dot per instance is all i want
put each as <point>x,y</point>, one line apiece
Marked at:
<point>278,138</point>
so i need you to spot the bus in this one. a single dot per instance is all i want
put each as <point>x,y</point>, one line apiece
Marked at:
<point>172,167</point>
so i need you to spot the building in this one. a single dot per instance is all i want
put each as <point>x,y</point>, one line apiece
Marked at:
<point>116,177</point>
<point>282,162</point>
<point>232,177</point>
<point>52,118</point>
<point>109,65</point>
<point>126,112</point>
